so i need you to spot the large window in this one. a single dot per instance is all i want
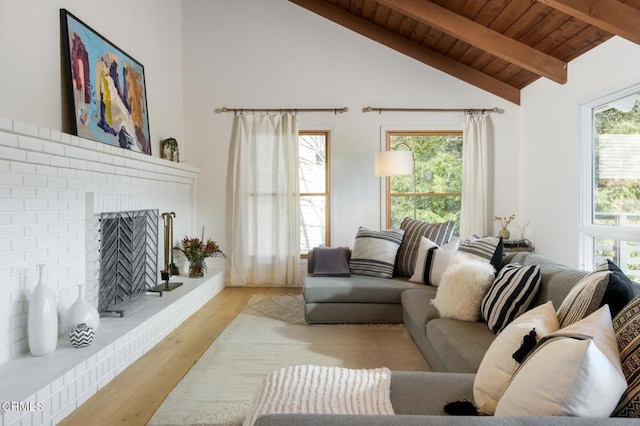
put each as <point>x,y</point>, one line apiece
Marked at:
<point>433,193</point>
<point>611,181</point>
<point>314,190</point>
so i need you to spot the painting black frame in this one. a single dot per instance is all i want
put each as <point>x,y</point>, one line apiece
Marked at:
<point>91,116</point>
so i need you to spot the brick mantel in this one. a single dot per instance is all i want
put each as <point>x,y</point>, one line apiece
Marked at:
<point>52,187</point>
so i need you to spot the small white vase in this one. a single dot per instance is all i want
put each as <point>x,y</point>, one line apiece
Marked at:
<point>42,318</point>
<point>81,312</point>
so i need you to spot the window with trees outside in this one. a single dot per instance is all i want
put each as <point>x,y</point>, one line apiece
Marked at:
<point>314,190</point>
<point>611,181</point>
<point>433,193</point>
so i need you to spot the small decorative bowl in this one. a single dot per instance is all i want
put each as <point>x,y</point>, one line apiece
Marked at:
<point>81,336</point>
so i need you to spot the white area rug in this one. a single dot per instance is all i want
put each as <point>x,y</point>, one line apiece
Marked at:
<point>267,335</point>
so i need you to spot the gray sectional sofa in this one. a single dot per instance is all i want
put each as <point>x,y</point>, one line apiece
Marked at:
<point>448,345</point>
<point>454,349</point>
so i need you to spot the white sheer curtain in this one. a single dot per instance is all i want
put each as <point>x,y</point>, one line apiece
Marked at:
<point>264,212</point>
<point>474,209</point>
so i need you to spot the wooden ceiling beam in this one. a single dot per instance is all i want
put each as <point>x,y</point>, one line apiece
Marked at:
<point>411,49</point>
<point>482,37</point>
<point>609,15</point>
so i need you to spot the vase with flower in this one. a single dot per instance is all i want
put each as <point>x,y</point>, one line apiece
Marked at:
<point>504,222</point>
<point>196,250</point>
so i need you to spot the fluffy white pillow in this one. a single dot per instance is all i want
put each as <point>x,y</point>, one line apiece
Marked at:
<point>432,261</point>
<point>498,365</point>
<point>568,376</point>
<point>462,287</point>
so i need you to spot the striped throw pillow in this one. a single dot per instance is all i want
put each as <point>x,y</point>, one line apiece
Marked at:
<point>488,249</point>
<point>439,233</point>
<point>374,252</point>
<point>584,298</point>
<point>510,295</point>
<point>606,285</point>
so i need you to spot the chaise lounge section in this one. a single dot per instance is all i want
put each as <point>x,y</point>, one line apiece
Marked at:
<point>354,299</point>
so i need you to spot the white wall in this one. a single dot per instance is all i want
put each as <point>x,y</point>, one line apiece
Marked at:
<point>272,53</point>
<point>549,153</point>
<point>31,73</point>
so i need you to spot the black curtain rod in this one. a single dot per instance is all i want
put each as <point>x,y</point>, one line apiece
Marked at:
<point>251,110</point>
<point>380,110</point>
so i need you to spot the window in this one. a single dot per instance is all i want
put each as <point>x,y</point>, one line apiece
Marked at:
<point>611,181</point>
<point>433,193</point>
<point>314,190</point>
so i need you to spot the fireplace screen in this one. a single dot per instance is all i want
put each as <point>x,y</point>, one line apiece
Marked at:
<point>128,256</point>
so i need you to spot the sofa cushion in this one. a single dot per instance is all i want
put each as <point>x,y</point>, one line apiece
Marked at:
<point>418,308</point>
<point>462,288</point>
<point>510,295</point>
<point>412,392</point>
<point>627,327</point>
<point>374,252</point>
<point>498,364</point>
<point>573,372</point>
<point>432,261</point>
<point>556,280</point>
<point>355,289</point>
<point>459,345</point>
<point>439,233</point>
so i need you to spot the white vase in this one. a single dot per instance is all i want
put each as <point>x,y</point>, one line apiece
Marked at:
<point>42,318</point>
<point>81,312</point>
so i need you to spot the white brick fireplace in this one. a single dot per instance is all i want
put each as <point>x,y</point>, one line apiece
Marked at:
<point>52,186</point>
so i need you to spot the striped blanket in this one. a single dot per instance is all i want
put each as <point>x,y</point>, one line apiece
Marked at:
<point>309,389</point>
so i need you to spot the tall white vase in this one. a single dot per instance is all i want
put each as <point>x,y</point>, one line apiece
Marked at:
<point>81,312</point>
<point>42,319</point>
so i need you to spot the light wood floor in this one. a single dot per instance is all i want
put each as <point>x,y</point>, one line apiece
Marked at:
<point>134,395</point>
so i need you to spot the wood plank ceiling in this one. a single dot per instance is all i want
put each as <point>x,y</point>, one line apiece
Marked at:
<point>500,46</point>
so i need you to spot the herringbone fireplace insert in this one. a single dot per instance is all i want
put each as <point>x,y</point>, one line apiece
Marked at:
<point>128,257</point>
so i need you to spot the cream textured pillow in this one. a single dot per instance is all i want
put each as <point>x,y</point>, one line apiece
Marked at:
<point>432,261</point>
<point>462,287</point>
<point>498,365</point>
<point>584,298</point>
<point>568,376</point>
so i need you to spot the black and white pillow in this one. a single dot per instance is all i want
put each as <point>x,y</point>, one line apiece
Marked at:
<point>439,233</point>
<point>627,327</point>
<point>433,261</point>
<point>510,295</point>
<point>488,249</point>
<point>605,285</point>
<point>374,252</point>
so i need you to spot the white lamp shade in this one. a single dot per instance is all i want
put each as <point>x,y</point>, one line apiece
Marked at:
<point>394,163</point>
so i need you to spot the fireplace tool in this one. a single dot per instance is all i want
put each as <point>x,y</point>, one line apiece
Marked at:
<point>173,268</point>
<point>168,256</point>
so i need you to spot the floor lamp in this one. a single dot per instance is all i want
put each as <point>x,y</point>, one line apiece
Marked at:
<point>394,163</point>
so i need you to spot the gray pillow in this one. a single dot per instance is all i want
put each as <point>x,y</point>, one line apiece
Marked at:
<point>330,262</point>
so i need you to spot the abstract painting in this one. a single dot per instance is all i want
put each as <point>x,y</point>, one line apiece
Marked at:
<point>106,88</point>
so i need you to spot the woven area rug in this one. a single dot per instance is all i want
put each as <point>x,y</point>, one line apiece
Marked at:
<point>269,334</point>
